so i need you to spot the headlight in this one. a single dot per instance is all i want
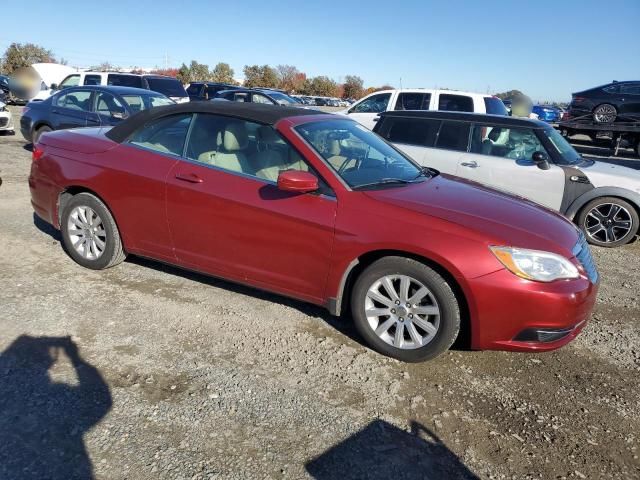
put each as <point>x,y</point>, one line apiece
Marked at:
<point>535,265</point>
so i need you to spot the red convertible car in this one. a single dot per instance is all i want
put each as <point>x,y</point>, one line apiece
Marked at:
<point>318,208</point>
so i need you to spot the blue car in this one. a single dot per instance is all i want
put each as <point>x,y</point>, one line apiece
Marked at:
<point>547,113</point>
<point>86,106</point>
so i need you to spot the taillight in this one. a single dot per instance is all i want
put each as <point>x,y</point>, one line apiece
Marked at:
<point>36,153</point>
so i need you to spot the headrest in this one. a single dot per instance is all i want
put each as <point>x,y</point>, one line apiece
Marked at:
<point>267,134</point>
<point>494,134</point>
<point>234,137</point>
<point>334,146</point>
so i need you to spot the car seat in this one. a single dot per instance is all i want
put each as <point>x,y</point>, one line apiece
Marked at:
<point>231,143</point>
<point>270,159</point>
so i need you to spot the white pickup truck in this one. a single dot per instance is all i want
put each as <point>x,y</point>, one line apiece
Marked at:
<point>367,110</point>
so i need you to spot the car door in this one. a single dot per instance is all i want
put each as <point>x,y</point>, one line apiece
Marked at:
<point>502,159</point>
<point>367,111</point>
<point>630,100</point>
<point>230,219</point>
<point>71,109</point>
<point>109,109</point>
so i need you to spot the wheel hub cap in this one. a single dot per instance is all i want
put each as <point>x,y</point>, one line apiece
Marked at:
<point>402,311</point>
<point>86,232</point>
<point>608,223</point>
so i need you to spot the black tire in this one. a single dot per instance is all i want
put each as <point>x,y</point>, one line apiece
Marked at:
<point>586,222</point>
<point>113,252</point>
<point>605,113</point>
<point>38,133</point>
<point>446,301</point>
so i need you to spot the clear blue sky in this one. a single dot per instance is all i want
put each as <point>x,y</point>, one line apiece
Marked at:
<point>547,49</point>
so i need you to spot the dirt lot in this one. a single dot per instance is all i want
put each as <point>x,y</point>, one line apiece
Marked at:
<point>169,374</point>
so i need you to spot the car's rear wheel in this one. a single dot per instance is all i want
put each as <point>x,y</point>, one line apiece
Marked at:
<point>38,133</point>
<point>609,222</point>
<point>605,113</point>
<point>405,309</point>
<point>90,233</point>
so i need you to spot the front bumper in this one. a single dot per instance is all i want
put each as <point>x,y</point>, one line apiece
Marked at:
<point>520,315</point>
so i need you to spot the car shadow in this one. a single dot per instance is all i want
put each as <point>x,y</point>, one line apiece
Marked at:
<point>42,422</point>
<point>47,228</point>
<point>384,451</point>
<point>28,147</point>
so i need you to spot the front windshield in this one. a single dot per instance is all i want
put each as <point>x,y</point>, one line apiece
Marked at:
<point>360,157</point>
<point>281,98</point>
<point>568,154</point>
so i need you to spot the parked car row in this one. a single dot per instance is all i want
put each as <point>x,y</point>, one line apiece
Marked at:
<point>316,207</point>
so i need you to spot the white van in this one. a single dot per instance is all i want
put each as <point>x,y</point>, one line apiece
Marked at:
<point>168,86</point>
<point>367,110</point>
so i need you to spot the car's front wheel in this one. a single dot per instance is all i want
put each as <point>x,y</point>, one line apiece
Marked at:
<point>609,222</point>
<point>405,309</point>
<point>605,113</point>
<point>90,233</point>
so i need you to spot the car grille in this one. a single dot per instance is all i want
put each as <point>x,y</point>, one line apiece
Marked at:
<point>4,121</point>
<point>583,254</point>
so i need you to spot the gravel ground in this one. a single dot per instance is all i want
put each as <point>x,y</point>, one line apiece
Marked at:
<point>145,371</point>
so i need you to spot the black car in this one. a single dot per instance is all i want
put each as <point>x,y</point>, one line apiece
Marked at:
<point>270,97</point>
<point>87,106</point>
<point>616,101</point>
<point>207,90</point>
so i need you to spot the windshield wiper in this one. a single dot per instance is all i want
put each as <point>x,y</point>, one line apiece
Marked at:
<point>426,172</point>
<point>386,181</point>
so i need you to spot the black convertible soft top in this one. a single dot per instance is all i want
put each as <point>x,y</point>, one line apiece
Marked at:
<point>253,112</point>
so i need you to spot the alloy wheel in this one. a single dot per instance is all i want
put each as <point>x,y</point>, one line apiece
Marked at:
<point>86,232</point>
<point>402,311</point>
<point>608,222</point>
<point>605,114</point>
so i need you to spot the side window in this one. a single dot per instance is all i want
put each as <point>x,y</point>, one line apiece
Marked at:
<point>412,131</point>
<point>374,104</point>
<point>257,98</point>
<point>242,147</point>
<point>166,134</point>
<point>515,143</point>
<point>453,136</point>
<point>75,100</point>
<point>239,97</point>
<point>455,103</point>
<point>413,101</point>
<point>110,106</point>
<point>124,80</point>
<point>630,89</point>
<point>70,81</point>
<point>92,79</point>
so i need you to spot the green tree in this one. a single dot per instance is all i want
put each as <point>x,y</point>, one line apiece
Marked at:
<point>184,74</point>
<point>19,55</point>
<point>353,87</point>
<point>260,76</point>
<point>323,86</point>
<point>195,72</point>
<point>222,73</point>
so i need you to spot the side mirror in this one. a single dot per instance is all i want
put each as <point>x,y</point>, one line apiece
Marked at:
<point>54,86</point>
<point>541,160</point>
<point>297,181</point>
<point>118,114</point>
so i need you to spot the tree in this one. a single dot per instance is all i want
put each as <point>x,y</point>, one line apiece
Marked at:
<point>222,73</point>
<point>260,76</point>
<point>323,86</point>
<point>103,67</point>
<point>509,94</point>
<point>167,72</point>
<point>290,78</point>
<point>19,55</point>
<point>353,86</point>
<point>195,72</point>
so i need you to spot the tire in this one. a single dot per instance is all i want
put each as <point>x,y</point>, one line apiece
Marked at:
<point>605,113</point>
<point>637,149</point>
<point>438,308</point>
<point>38,133</point>
<point>609,222</point>
<point>83,239</point>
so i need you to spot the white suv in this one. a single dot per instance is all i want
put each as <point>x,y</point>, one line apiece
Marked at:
<point>168,86</point>
<point>527,158</point>
<point>367,110</point>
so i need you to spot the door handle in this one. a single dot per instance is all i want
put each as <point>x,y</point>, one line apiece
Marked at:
<point>472,164</point>
<point>188,177</point>
<point>93,120</point>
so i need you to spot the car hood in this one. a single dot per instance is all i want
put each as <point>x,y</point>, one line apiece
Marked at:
<point>499,218</point>
<point>603,174</point>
